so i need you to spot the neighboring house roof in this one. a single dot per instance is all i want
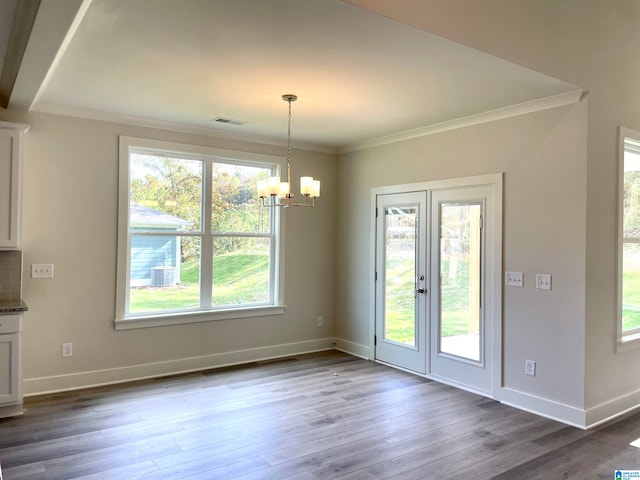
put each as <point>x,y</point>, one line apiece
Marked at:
<point>141,216</point>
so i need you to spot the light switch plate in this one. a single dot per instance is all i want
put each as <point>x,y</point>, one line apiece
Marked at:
<point>42,270</point>
<point>514,279</point>
<point>543,281</point>
<point>530,368</point>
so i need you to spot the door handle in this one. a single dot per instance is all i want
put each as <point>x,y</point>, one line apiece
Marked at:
<point>420,290</point>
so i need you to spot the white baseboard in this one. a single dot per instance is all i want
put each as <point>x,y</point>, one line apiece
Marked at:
<point>75,381</point>
<point>537,405</point>
<point>355,349</point>
<point>544,407</point>
<point>612,408</point>
<point>540,406</point>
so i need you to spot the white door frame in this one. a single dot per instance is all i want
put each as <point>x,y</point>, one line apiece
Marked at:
<point>493,279</point>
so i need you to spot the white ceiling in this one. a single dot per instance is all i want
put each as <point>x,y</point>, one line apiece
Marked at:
<point>360,77</point>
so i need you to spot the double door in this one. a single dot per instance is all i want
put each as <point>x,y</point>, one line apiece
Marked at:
<point>435,264</point>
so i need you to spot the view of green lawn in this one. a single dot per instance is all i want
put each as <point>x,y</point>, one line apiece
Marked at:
<point>240,277</point>
<point>631,300</point>
<point>400,303</point>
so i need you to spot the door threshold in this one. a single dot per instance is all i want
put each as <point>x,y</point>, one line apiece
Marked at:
<point>438,379</point>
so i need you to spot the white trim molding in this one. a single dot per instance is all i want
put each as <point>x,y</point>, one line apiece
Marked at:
<point>560,100</point>
<point>544,407</point>
<point>134,120</point>
<point>352,348</point>
<point>108,376</point>
<point>611,409</point>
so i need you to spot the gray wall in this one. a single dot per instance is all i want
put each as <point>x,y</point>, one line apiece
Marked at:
<point>70,219</point>
<point>543,157</point>
<point>592,44</point>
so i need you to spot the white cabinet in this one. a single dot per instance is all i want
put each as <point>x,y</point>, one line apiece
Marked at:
<point>10,182</point>
<point>10,365</point>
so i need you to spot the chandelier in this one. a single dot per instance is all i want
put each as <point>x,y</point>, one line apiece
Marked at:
<point>274,193</point>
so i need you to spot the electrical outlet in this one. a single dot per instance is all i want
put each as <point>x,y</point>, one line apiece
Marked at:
<point>514,279</point>
<point>67,349</point>
<point>530,368</point>
<point>42,270</point>
<point>320,321</point>
<point>543,281</point>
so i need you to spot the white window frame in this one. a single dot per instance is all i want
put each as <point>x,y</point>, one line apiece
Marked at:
<point>123,320</point>
<point>631,338</point>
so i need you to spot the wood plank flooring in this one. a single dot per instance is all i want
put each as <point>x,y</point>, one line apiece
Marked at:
<point>319,416</point>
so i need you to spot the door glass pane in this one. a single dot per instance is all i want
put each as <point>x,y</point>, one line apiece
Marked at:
<point>400,267</point>
<point>460,280</point>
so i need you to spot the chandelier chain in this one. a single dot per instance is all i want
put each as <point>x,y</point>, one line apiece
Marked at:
<point>289,136</point>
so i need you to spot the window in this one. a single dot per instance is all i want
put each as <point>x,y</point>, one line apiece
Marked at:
<point>629,234</point>
<point>193,243</point>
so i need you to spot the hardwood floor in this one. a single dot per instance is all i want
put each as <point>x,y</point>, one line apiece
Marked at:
<point>320,416</point>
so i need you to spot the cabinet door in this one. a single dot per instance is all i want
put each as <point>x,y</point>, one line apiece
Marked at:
<point>10,373</point>
<point>10,179</point>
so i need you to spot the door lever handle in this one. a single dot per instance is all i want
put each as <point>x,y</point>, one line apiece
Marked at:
<point>420,290</point>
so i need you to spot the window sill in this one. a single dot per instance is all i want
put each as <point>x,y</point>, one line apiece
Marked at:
<point>628,342</point>
<point>144,321</point>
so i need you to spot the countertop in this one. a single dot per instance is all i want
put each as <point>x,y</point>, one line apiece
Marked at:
<point>12,306</point>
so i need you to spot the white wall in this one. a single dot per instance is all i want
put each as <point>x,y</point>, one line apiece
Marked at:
<point>543,157</point>
<point>70,219</point>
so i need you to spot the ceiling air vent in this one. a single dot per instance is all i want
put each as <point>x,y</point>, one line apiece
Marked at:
<point>228,121</point>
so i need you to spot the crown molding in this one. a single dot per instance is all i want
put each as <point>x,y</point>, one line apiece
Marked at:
<point>560,100</point>
<point>70,111</point>
<point>15,127</point>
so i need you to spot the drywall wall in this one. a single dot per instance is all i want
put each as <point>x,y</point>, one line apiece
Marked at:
<point>543,157</point>
<point>590,43</point>
<point>70,220</point>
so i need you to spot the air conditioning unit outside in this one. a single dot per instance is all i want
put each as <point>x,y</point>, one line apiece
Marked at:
<point>163,276</point>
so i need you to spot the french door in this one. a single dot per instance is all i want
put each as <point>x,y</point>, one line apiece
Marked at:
<point>436,265</point>
<point>401,327</point>
<point>461,335</point>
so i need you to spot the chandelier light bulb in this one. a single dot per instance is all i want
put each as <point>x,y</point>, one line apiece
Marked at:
<point>284,189</point>
<point>315,189</point>
<point>306,184</point>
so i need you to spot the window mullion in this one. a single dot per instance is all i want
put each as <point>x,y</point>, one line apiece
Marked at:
<point>206,245</point>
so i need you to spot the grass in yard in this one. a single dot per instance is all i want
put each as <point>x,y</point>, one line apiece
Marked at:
<point>631,300</point>
<point>239,278</point>
<point>400,304</point>
<point>242,278</point>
